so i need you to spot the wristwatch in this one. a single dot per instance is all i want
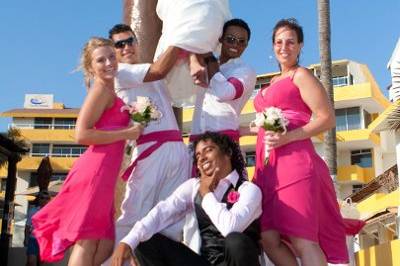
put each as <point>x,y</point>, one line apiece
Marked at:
<point>209,59</point>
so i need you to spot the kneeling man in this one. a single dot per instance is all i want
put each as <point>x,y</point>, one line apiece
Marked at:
<point>221,209</point>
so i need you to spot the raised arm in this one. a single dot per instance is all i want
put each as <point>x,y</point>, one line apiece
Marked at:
<point>160,68</point>
<point>227,88</point>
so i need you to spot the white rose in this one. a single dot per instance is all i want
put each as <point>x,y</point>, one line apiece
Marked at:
<point>259,121</point>
<point>142,103</point>
<point>155,114</point>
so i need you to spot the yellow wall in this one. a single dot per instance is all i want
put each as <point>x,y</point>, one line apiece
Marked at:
<point>387,254</point>
<point>379,201</point>
<point>49,135</point>
<point>359,134</point>
<point>355,173</point>
<point>62,164</point>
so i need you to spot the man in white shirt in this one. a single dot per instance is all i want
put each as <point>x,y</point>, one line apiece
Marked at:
<point>221,210</point>
<point>160,160</point>
<point>231,83</point>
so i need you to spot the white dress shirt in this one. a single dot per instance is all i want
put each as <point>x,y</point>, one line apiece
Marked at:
<point>181,203</point>
<point>218,107</point>
<point>129,84</point>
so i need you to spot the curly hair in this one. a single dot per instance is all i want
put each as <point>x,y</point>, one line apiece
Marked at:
<point>228,147</point>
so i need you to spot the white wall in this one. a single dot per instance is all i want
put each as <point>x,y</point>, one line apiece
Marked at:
<point>343,158</point>
<point>355,70</point>
<point>20,211</point>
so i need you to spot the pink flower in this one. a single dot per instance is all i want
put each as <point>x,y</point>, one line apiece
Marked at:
<point>131,109</point>
<point>233,196</point>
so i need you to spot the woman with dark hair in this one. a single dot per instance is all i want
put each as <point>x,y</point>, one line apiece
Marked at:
<point>221,208</point>
<point>299,201</point>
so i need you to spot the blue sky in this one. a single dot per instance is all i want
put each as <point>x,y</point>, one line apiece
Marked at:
<point>41,40</point>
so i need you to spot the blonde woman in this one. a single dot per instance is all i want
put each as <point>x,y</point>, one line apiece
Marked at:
<point>81,215</point>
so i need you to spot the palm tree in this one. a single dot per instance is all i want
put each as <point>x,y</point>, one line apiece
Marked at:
<point>393,119</point>
<point>14,134</point>
<point>326,79</point>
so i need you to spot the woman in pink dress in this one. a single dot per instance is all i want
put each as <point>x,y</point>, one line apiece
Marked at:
<point>299,201</point>
<point>82,213</point>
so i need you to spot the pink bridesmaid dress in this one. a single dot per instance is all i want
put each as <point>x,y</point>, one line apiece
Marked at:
<point>84,207</point>
<point>298,194</point>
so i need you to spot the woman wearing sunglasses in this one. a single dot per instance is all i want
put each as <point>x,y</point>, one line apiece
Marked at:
<point>82,214</point>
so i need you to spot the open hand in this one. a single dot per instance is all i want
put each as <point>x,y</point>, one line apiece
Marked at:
<point>121,254</point>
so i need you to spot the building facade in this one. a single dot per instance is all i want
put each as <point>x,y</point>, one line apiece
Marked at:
<point>364,152</point>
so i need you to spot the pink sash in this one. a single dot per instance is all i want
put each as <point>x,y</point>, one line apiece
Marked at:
<point>160,137</point>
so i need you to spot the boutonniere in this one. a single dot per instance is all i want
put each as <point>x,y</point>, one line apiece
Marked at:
<point>233,196</point>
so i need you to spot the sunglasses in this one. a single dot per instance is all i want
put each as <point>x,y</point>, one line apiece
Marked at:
<point>121,43</point>
<point>233,40</point>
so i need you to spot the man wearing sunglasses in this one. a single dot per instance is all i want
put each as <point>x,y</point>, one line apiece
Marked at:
<point>231,83</point>
<point>152,175</point>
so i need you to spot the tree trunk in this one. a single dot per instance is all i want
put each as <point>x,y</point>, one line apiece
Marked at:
<point>141,15</point>
<point>326,79</point>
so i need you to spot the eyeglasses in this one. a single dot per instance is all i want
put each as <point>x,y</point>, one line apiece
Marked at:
<point>121,43</point>
<point>234,40</point>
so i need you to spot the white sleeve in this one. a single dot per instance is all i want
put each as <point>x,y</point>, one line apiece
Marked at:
<point>165,213</point>
<point>234,86</point>
<point>130,75</point>
<point>242,213</point>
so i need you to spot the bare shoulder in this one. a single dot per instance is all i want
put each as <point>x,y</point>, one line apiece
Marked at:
<point>302,73</point>
<point>304,78</point>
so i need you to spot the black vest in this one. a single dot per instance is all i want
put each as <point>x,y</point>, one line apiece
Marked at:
<point>212,242</point>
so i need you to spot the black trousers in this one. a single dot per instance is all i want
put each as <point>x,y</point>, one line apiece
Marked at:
<point>159,250</point>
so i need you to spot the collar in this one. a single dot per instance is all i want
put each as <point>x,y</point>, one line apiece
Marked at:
<point>233,178</point>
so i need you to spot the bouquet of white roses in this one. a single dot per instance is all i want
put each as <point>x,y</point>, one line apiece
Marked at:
<point>272,119</point>
<point>142,111</point>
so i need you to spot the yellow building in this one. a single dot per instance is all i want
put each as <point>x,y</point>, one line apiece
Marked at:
<point>48,127</point>
<point>364,152</point>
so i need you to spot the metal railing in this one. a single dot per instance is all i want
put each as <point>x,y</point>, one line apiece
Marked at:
<point>41,126</point>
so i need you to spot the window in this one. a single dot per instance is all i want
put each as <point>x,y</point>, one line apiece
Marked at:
<point>68,150</point>
<point>348,118</point>
<point>41,122</point>
<point>362,158</point>
<point>40,149</point>
<point>64,123</point>
<point>339,81</point>
<point>250,158</point>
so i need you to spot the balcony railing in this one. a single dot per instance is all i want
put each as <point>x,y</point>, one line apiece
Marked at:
<point>70,154</point>
<point>41,126</point>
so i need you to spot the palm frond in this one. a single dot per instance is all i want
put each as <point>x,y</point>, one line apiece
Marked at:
<point>393,120</point>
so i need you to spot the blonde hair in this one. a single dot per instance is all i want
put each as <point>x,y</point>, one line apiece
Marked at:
<point>86,56</point>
